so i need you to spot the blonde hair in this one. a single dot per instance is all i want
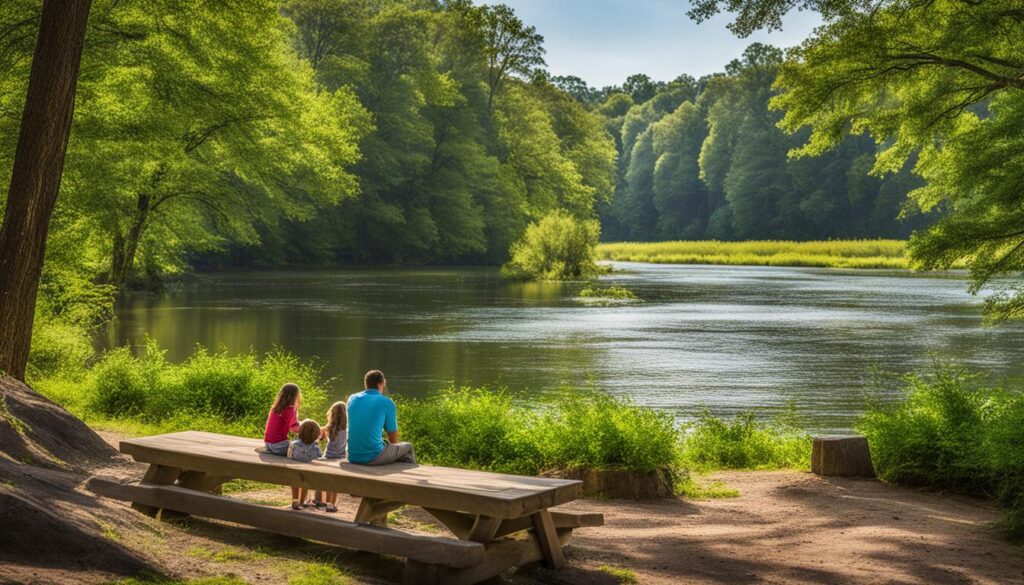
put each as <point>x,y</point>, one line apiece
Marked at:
<point>288,395</point>
<point>309,431</point>
<point>337,419</point>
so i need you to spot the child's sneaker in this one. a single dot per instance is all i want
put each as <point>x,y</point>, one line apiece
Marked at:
<point>331,509</point>
<point>295,505</point>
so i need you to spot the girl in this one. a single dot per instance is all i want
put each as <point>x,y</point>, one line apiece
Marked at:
<point>304,449</point>
<point>282,418</point>
<point>337,442</point>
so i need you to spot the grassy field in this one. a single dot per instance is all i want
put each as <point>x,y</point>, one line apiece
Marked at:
<point>825,254</point>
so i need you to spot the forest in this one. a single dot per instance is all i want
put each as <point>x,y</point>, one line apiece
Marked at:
<point>316,133</point>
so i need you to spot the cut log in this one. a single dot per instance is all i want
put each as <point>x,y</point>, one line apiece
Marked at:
<point>842,456</point>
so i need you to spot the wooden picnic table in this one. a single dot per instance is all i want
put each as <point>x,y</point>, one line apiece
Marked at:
<point>498,520</point>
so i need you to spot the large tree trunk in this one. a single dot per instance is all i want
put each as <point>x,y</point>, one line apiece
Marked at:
<point>35,179</point>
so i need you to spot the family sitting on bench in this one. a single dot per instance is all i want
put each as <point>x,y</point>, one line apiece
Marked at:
<point>355,429</point>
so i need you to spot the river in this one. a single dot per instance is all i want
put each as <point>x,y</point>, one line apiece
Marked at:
<point>725,338</point>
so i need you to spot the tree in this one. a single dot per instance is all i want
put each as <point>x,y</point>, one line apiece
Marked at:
<point>679,194</point>
<point>511,47</point>
<point>36,175</point>
<point>558,247</point>
<point>640,87</point>
<point>938,83</point>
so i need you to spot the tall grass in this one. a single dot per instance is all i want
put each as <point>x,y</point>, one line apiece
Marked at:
<point>209,391</point>
<point>953,430</point>
<point>466,427</point>
<point>828,254</point>
<point>745,442</point>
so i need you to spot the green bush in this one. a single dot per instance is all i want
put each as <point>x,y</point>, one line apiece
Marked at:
<point>467,427</point>
<point>746,443</point>
<point>59,349</point>
<point>953,431</point>
<point>209,391</point>
<point>558,247</point>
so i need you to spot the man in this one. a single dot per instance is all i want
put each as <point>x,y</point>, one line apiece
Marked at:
<point>370,414</point>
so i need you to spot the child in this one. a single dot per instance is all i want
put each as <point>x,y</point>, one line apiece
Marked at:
<point>304,449</point>
<point>282,418</point>
<point>337,443</point>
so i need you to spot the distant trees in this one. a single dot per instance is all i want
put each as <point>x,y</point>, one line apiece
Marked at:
<point>939,86</point>
<point>706,159</point>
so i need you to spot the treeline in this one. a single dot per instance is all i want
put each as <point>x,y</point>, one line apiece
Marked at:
<point>704,159</point>
<point>304,132</point>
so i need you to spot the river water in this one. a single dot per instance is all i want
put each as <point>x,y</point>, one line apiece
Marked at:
<point>724,338</point>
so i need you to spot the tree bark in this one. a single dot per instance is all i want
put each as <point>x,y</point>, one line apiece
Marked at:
<point>35,179</point>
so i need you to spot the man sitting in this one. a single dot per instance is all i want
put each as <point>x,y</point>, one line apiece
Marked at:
<point>369,414</point>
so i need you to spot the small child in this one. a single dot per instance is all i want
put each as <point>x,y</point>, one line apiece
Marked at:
<point>282,418</point>
<point>304,449</point>
<point>337,443</point>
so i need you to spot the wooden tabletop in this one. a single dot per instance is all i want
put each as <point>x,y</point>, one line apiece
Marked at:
<point>475,492</point>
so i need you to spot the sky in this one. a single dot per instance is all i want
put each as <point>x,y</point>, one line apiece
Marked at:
<point>605,41</point>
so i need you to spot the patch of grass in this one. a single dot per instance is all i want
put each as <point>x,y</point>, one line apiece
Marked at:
<point>318,574</point>
<point>696,488</point>
<point>8,417</point>
<point>623,574</point>
<point>7,484</point>
<point>619,293</point>
<point>745,442</point>
<point>954,430</point>
<point>828,254</point>
<point>226,554</point>
<point>237,486</point>
<point>466,427</point>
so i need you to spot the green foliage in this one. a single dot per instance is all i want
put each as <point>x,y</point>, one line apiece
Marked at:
<point>746,443</point>
<point>937,85</point>
<point>209,390</point>
<point>59,349</point>
<point>951,430</point>
<point>696,488</point>
<point>830,254</point>
<point>623,574</point>
<point>318,574</point>
<point>487,430</point>
<point>608,292</point>
<point>558,247</point>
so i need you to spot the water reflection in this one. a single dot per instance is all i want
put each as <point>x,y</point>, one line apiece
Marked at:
<point>729,338</point>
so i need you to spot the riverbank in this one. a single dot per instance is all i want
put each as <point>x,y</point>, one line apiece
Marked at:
<point>784,527</point>
<point>824,254</point>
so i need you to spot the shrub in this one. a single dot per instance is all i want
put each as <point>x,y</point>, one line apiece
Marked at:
<point>608,292</point>
<point>486,430</point>
<point>953,431</point>
<point>59,349</point>
<point>209,391</point>
<point>558,247</point>
<point>746,443</point>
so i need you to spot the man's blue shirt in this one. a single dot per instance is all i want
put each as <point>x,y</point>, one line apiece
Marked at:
<point>369,414</point>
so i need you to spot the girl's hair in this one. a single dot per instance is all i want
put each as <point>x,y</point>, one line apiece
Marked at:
<point>287,396</point>
<point>309,431</point>
<point>337,420</point>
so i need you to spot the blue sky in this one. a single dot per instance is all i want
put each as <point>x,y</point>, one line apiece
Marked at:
<point>604,41</point>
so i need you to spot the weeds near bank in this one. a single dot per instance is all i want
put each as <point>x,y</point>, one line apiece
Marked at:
<point>619,293</point>
<point>952,430</point>
<point>746,442</point>
<point>826,254</point>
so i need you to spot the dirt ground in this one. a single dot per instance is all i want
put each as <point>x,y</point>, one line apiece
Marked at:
<point>785,527</point>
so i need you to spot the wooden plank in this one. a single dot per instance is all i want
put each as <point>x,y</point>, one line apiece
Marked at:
<point>562,519</point>
<point>459,524</point>
<point>156,475</point>
<point>547,537</point>
<point>500,556</point>
<point>484,529</point>
<point>374,511</point>
<point>429,548</point>
<point>199,481</point>
<point>475,492</point>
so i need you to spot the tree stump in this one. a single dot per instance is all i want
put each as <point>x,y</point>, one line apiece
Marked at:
<point>844,456</point>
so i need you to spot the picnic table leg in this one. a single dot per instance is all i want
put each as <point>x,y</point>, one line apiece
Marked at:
<point>375,511</point>
<point>156,475</point>
<point>547,537</point>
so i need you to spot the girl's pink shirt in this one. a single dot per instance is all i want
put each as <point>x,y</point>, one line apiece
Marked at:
<point>278,424</point>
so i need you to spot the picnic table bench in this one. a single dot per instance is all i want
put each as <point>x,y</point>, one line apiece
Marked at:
<point>498,521</point>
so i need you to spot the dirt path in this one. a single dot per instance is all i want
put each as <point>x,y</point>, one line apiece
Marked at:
<point>792,527</point>
<point>786,527</point>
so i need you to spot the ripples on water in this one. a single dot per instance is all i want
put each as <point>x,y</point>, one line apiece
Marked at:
<point>727,338</point>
